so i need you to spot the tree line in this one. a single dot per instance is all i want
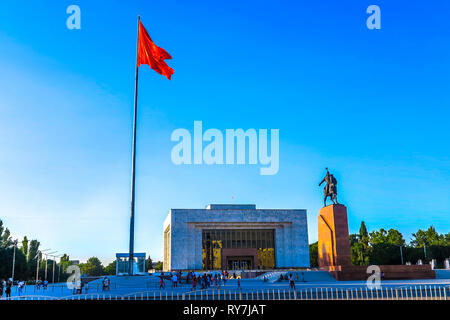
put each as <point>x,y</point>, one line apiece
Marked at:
<point>94,267</point>
<point>25,253</point>
<point>388,247</point>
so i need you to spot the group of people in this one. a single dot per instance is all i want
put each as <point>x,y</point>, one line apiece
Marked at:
<point>203,281</point>
<point>43,284</point>
<point>7,285</point>
<point>78,285</point>
<point>207,280</point>
<point>5,288</point>
<point>291,279</point>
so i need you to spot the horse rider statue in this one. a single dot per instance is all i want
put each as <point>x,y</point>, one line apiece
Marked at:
<point>330,189</point>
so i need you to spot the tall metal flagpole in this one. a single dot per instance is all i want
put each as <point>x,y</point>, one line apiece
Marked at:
<point>133,161</point>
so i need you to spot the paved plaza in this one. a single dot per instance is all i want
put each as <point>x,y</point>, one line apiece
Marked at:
<point>147,287</point>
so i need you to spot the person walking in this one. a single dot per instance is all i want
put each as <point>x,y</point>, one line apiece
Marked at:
<point>78,286</point>
<point>194,283</point>
<point>20,286</point>
<point>45,284</point>
<point>161,283</point>
<point>8,288</point>
<point>291,282</point>
<point>239,283</point>
<point>174,281</point>
<point>106,284</point>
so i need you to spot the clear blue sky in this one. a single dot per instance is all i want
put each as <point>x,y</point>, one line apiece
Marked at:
<point>372,105</point>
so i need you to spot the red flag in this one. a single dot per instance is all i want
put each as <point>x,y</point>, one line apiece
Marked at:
<point>149,53</point>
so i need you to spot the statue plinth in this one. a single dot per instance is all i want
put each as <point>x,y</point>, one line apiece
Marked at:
<point>334,243</point>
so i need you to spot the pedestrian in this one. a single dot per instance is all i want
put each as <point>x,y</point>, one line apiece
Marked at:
<point>194,283</point>
<point>2,287</point>
<point>20,286</point>
<point>239,283</point>
<point>74,287</point>
<point>174,281</point>
<point>78,286</point>
<point>161,283</point>
<point>45,284</point>
<point>104,284</point>
<point>291,282</point>
<point>8,288</point>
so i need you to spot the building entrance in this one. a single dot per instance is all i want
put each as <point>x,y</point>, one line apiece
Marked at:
<point>240,263</point>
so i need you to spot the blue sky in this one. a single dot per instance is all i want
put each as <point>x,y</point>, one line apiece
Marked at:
<point>372,105</point>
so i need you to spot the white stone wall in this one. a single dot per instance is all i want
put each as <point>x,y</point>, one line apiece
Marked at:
<point>291,233</point>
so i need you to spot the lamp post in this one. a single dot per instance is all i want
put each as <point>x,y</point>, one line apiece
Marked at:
<point>401,253</point>
<point>46,262</point>
<point>59,265</point>
<point>39,257</point>
<point>53,273</point>
<point>14,260</point>
<point>425,250</point>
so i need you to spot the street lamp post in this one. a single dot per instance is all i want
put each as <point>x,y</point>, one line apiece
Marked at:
<point>53,274</point>
<point>59,266</point>
<point>39,257</point>
<point>401,254</point>
<point>46,262</point>
<point>14,260</point>
<point>425,251</point>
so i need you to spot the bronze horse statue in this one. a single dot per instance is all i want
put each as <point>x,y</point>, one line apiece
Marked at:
<point>330,189</point>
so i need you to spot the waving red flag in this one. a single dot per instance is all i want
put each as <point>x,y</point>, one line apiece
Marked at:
<point>149,53</point>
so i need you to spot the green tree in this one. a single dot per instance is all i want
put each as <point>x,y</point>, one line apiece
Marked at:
<point>110,269</point>
<point>24,247</point>
<point>363,236</point>
<point>358,251</point>
<point>386,237</point>
<point>92,267</point>
<point>159,265</point>
<point>427,237</point>
<point>363,230</point>
<point>314,254</point>
<point>5,237</point>
<point>148,263</point>
<point>447,240</point>
<point>395,237</point>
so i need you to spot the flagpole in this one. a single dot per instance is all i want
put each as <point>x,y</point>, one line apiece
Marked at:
<point>133,161</point>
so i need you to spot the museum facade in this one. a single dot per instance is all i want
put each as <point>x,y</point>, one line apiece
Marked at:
<point>235,237</point>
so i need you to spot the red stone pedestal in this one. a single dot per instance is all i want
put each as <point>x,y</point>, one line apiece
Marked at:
<point>334,243</point>
<point>334,251</point>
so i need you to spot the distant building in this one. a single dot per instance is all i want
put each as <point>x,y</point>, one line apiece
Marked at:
<point>74,262</point>
<point>235,237</point>
<point>123,264</point>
